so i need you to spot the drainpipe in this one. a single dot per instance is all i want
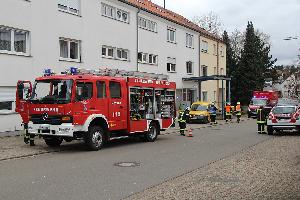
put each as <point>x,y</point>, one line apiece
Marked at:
<point>137,39</point>
<point>164,4</point>
<point>199,54</point>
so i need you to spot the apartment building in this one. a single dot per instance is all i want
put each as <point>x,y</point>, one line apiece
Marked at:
<point>134,35</point>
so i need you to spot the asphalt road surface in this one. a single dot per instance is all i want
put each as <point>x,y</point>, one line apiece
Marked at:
<point>80,174</point>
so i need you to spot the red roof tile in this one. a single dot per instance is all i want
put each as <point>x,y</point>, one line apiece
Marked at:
<point>153,8</point>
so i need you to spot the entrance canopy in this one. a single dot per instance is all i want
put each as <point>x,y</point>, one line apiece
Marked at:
<point>200,79</point>
<point>207,78</point>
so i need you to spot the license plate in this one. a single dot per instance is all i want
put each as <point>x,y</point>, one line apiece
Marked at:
<point>44,127</point>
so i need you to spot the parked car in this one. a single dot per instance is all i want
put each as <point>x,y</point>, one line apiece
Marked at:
<point>199,112</point>
<point>283,117</point>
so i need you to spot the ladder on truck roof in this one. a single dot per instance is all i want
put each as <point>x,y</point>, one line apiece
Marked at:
<point>117,73</point>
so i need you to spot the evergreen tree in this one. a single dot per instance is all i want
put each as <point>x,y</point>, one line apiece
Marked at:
<point>252,67</point>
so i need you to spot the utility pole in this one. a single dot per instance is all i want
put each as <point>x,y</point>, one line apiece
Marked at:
<point>164,4</point>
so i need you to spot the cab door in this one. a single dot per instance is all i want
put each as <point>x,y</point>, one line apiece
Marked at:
<point>117,105</point>
<point>84,104</point>
<point>23,93</point>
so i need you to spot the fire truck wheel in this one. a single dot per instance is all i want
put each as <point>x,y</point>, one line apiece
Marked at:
<point>151,134</point>
<point>53,142</point>
<point>95,138</point>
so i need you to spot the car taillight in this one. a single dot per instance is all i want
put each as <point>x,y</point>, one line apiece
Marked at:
<point>294,117</point>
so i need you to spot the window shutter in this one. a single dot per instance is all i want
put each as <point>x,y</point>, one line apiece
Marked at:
<point>62,2</point>
<point>171,60</point>
<point>75,4</point>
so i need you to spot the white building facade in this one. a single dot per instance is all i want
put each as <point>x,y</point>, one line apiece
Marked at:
<point>59,34</point>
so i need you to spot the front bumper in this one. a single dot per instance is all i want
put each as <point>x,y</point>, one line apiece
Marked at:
<point>63,130</point>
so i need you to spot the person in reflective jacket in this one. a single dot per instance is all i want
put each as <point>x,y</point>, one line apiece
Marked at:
<point>28,138</point>
<point>182,118</point>
<point>261,120</point>
<point>238,111</point>
<point>213,113</point>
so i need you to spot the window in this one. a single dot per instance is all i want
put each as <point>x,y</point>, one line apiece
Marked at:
<point>204,96</point>
<point>115,13</point>
<point>147,24</point>
<point>189,40</point>
<point>189,67</point>
<point>7,100</point>
<point>108,51</point>
<point>152,59</point>
<point>171,65</point>
<point>84,91</point>
<point>69,49</point>
<point>215,49</point>
<point>70,6</point>
<point>147,58</point>
<point>101,89</point>
<point>204,46</point>
<point>115,90</point>
<point>222,51</point>
<point>122,16</point>
<point>14,41</point>
<point>122,54</point>
<point>171,37</point>
<point>204,70</point>
<point>222,71</point>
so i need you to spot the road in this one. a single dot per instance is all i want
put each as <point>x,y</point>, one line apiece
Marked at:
<point>79,174</point>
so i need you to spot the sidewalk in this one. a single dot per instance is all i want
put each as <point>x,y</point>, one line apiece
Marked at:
<point>269,170</point>
<point>12,145</point>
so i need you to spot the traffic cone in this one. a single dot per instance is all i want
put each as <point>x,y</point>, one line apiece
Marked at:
<point>190,134</point>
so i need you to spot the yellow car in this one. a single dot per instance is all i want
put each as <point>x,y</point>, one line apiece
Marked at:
<point>199,112</point>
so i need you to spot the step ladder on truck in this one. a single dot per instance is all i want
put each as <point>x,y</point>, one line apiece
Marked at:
<point>96,105</point>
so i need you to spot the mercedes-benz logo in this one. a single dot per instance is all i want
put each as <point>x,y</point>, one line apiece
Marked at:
<point>45,116</point>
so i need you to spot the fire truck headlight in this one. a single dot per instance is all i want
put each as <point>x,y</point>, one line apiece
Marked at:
<point>66,119</point>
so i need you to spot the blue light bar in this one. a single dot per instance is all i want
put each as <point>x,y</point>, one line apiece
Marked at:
<point>73,70</point>
<point>47,72</point>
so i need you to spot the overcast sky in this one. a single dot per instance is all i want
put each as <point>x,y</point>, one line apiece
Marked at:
<point>278,18</point>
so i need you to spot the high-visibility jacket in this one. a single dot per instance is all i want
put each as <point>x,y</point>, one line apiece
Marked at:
<point>228,110</point>
<point>261,117</point>
<point>238,110</point>
<point>183,116</point>
<point>213,110</point>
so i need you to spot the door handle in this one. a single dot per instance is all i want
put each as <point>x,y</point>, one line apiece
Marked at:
<point>121,106</point>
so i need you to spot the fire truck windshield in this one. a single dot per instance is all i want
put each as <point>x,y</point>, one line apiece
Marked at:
<point>259,102</point>
<point>52,91</point>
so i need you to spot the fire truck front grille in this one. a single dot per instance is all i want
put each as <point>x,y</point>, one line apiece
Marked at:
<point>42,119</point>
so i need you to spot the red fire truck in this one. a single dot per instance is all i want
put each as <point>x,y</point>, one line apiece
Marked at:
<point>96,105</point>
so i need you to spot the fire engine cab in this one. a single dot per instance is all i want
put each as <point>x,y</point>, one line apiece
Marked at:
<point>96,105</point>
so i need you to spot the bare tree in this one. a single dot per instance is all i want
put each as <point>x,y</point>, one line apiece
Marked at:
<point>210,22</point>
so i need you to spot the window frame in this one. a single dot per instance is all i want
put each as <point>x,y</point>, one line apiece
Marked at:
<point>169,30</point>
<point>191,67</point>
<point>122,51</point>
<point>12,50</point>
<point>148,24</point>
<point>68,9</point>
<point>204,68</point>
<point>69,41</point>
<point>171,65</point>
<point>114,11</point>
<point>189,40</point>
<point>204,46</point>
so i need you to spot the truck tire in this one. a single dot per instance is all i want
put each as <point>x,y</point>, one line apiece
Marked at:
<point>270,130</point>
<point>152,133</point>
<point>53,142</point>
<point>94,138</point>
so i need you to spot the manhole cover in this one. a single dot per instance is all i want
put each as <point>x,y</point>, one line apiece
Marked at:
<point>127,164</point>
